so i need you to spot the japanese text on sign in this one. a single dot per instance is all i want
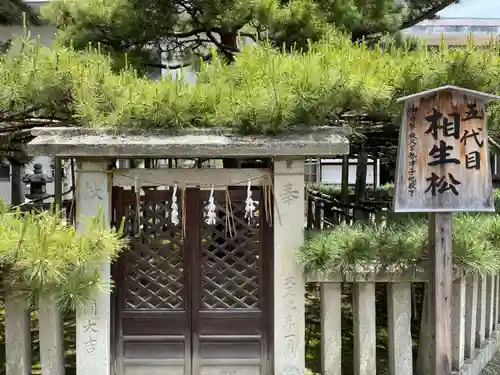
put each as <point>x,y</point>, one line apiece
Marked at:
<point>412,155</point>
<point>443,162</point>
<point>441,153</point>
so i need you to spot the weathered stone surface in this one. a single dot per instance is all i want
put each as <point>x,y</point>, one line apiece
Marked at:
<point>289,287</point>
<point>79,142</point>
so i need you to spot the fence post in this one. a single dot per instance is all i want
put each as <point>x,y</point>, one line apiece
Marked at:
<point>471,298</point>
<point>458,323</point>
<point>51,336</point>
<point>497,301</point>
<point>399,321</point>
<point>365,330</point>
<point>423,360</point>
<point>17,336</point>
<point>481,313</point>
<point>490,305</point>
<point>331,328</point>
<point>318,207</point>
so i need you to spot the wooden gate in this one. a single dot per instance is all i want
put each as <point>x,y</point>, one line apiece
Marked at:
<point>192,298</point>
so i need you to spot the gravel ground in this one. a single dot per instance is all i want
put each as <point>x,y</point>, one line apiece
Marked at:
<point>493,367</point>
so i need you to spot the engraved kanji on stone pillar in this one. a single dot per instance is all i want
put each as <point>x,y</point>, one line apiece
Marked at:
<point>93,320</point>
<point>289,213</point>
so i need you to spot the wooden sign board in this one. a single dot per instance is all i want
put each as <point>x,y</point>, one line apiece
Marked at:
<point>443,159</point>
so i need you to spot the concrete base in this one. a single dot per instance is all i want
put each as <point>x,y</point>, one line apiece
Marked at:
<point>483,356</point>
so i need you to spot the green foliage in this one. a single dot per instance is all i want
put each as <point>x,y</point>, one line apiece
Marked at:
<point>263,91</point>
<point>17,12</point>
<point>144,28</point>
<point>403,245</point>
<point>382,193</point>
<point>41,254</point>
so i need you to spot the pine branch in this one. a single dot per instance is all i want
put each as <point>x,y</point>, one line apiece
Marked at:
<point>220,46</point>
<point>429,13</point>
<point>374,33</point>
<point>13,12</point>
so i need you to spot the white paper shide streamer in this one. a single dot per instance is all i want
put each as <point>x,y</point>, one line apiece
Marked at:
<point>174,207</point>
<point>210,207</point>
<point>249,203</point>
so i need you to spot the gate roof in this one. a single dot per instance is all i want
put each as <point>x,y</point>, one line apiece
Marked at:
<point>99,143</point>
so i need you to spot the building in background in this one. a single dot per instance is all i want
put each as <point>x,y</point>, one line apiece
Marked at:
<point>456,26</point>
<point>476,19</point>
<point>456,31</point>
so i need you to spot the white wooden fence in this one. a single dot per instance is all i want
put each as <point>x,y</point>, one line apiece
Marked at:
<point>18,348</point>
<point>475,323</point>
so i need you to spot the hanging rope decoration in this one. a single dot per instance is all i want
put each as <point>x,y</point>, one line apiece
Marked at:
<point>183,208</point>
<point>269,199</point>
<point>210,207</point>
<point>249,203</point>
<point>138,207</point>
<point>230,223</point>
<point>269,203</point>
<point>174,207</point>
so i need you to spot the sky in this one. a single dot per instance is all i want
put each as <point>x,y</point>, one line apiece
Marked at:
<point>473,9</point>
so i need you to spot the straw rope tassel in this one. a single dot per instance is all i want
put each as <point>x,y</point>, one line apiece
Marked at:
<point>267,206</point>
<point>227,223</point>
<point>138,207</point>
<point>76,196</point>
<point>273,199</point>
<point>270,204</point>
<point>152,183</point>
<point>268,192</point>
<point>183,213</point>
<point>231,214</point>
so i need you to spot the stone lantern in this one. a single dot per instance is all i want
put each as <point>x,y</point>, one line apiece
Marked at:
<point>38,184</point>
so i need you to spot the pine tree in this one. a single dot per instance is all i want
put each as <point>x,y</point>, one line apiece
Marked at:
<point>180,29</point>
<point>42,255</point>
<point>265,90</point>
<point>14,12</point>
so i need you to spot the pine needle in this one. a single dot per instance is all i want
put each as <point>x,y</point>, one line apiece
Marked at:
<point>42,255</point>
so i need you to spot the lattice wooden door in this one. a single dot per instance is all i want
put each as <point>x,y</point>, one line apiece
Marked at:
<point>190,299</point>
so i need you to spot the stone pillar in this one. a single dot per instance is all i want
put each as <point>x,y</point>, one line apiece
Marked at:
<point>51,336</point>
<point>289,289</point>
<point>17,336</point>
<point>93,321</point>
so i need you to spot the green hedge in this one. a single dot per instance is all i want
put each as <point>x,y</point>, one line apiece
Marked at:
<point>476,240</point>
<point>401,240</point>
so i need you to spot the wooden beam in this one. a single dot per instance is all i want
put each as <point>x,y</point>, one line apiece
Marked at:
<point>440,289</point>
<point>58,181</point>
